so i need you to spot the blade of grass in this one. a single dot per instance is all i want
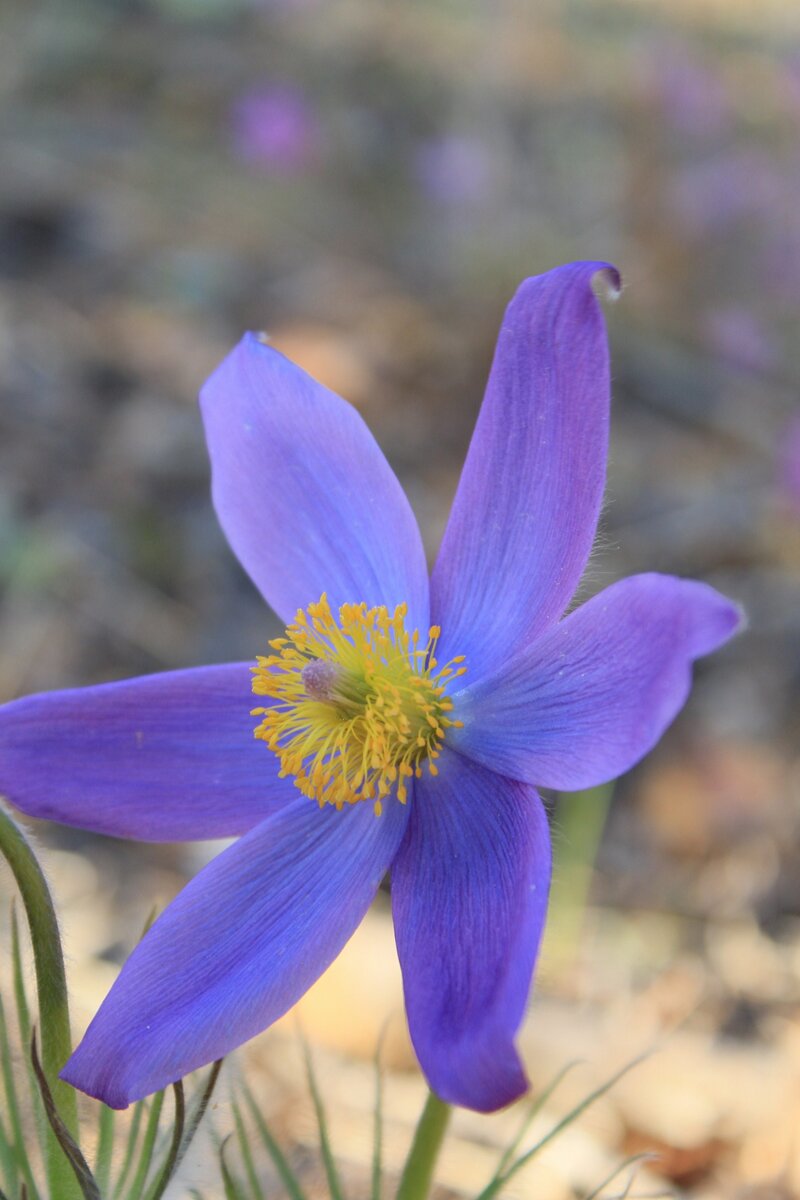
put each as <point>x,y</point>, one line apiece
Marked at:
<point>200,1103</point>
<point>332,1175</point>
<point>148,1145</point>
<point>17,1137</point>
<point>629,1195</point>
<point>70,1148</point>
<point>633,1160</point>
<point>280,1162</point>
<point>130,1149</point>
<point>493,1188</point>
<point>8,1159</point>
<point>105,1147</point>
<point>247,1154</point>
<point>533,1111</point>
<point>171,1161</point>
<point>233,1190</point>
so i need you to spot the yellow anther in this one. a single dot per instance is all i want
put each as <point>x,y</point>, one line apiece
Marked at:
<point>356,708</point>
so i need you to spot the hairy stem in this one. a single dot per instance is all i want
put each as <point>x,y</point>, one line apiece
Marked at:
<point>51,987</point>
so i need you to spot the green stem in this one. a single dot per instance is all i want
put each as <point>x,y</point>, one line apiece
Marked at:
<point>51,986</point>
<point>581,819</point>
<point>418,1171</point>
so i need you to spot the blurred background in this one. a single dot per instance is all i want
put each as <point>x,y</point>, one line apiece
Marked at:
<point>369,182</point>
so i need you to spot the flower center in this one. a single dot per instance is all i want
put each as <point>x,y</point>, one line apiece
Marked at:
<point>358,706</point>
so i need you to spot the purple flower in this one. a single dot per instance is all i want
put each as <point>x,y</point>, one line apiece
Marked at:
<point>421,752</point>
<point>275,129</point>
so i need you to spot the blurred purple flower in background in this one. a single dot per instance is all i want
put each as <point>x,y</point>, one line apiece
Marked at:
<point>689,93</point>
<point>791,79</point>
<point>356,709</point>
<point>778,257</point>
<point>789,464</point>
<point>274,128</point>
<point>738,336</point>
<point>733,186</point>
<point>453,170</point>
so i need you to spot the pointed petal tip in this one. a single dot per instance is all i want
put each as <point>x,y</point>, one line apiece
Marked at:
<point>603,685</point>
<point>601,277</point>
<point>469,899</point>
<point>717,618</point>
<point>106,1091</point>
<point>290,457</point>
<point>504,1084</point>
<point>606,283</point>
<point>525,513</point>
<point>236,949</point>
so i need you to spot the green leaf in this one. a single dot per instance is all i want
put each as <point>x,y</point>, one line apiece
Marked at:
<point>334,1185</point>
<point>71,1149</point>
<point>281,1163</point>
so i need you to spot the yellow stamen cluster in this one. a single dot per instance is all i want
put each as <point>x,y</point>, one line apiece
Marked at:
<point>357,704</point>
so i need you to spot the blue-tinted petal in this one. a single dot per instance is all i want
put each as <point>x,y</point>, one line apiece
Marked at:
<point>595,692</point>
<point>307,501</point>
<point>527,505</point>
<point>469,895</point>
<point>161,758</point>
<point>240,944</point>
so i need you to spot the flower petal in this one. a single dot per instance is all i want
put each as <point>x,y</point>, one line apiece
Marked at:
<point>469,894</point>
<point>595,693</point>
<point>240,944</point>
<point>525,513</point>
<point>161,758</point>
<point>304,495</point>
